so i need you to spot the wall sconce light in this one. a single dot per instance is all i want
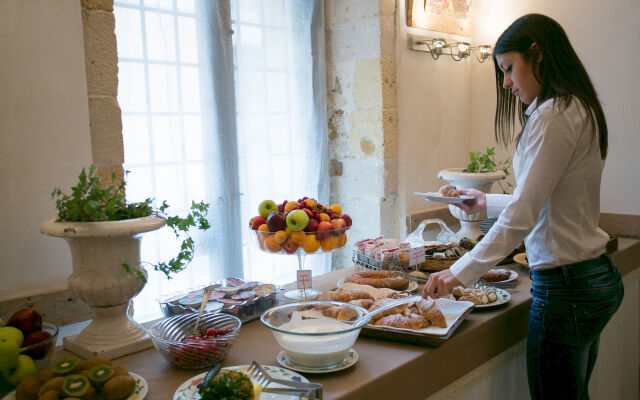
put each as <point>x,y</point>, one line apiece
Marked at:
<point>457,50</point>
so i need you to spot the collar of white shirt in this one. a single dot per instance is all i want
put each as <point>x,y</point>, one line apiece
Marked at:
<point>531,107</point>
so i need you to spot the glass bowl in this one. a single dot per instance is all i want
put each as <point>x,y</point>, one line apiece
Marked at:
<point>41,352</point>
<point>168,334</point>
<point>301,243</point>
<point>315,341</point>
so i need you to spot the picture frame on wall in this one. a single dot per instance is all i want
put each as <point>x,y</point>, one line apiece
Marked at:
<point>446,16</point>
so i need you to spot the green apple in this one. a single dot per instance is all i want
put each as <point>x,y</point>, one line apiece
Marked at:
<point>9,352</point>
<point>266,207</point>
<point>297,220</point>
<point>12,333</point>
<point>24,368</point>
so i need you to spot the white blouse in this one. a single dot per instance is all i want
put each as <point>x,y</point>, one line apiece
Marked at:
<point>555,207</point>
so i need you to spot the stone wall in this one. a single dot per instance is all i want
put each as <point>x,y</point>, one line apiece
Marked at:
<point>362,115</point>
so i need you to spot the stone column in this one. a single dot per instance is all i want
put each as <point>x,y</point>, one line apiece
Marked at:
<point>101,64</point>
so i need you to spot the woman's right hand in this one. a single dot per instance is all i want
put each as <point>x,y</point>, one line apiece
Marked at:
<point>475,205</point>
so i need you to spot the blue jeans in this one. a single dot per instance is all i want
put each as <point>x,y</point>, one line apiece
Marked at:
<point>571,306</point>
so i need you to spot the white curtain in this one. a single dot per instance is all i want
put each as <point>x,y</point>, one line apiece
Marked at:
<point>222,101</point>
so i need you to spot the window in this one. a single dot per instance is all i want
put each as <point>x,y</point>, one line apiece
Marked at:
<point>180,145</point>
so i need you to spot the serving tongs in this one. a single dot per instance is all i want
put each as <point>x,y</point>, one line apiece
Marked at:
<point>313,391</point>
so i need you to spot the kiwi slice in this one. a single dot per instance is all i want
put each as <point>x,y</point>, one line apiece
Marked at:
<point>65,366</point>
<point>99,374</point>
<point>75,385</point>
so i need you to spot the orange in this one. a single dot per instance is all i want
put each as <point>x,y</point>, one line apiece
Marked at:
<point>336,209</point>
<point>271,244</point>
<point>342,240</point>
<point>310,202</point>
<point>263,228</point>
<point>298,237</point>
<point>289,206</point>
<point>329,243</point>
<point>311,244</point>
<point>322,217</point>
<point>280,237</point>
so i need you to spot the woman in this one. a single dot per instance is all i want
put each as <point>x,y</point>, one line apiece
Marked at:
<point>555,206</point>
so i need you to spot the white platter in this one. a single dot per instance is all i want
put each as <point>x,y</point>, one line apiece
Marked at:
<point>503,297</point>
<point>138,394</point>
<point>412,285</point>
<point>437,197</point>
<point>189,388</point>
<point>513,275</point>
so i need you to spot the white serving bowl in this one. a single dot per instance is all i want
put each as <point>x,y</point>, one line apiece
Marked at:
<point>314,342</point>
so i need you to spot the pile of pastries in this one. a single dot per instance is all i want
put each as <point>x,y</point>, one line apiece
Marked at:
<point>475,295</point>
<point>414,315</point>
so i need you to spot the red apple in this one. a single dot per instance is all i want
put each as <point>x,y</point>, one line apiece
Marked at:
<point>347,219</point>
<point>338,226</point>
<point>38,352</point>
<point>309,212</point>
<point>313,225</point>
<point>276,221</point>
<point>27,320</point>
<point>290,246</point>
<point>256,221</point>
<point>324,229</point>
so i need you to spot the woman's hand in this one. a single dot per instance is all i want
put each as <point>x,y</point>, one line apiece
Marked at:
<point>473,206</point>
<point>439,284</point>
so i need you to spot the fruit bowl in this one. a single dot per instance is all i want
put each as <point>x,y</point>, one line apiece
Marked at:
<point>171,337</point>
<point>301,243</point>
<point>42,351</point>
<point>311,340</point>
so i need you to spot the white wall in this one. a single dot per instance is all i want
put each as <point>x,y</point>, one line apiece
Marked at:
<point>435,96</point>
<point>44,136</point>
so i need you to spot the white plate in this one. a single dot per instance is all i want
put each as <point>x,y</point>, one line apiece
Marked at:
<point>503,297</point>
<point>350,359</point>
<point>437,197</point>
<point>412,285</point>
<point>521,258</point>
<point>513,275</point>
<point>138,394</point>
<point>189,389</point>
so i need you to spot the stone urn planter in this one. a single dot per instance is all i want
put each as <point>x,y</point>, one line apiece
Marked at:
<point>482,181</point>
<point>98,250</point>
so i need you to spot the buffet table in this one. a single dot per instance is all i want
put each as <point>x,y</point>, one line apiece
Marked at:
<point>385,370</point>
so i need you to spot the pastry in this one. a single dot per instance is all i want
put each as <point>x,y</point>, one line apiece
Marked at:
<point>383,302</point>
<point>430,311</point>
<point>496,275</point>
<point>376,293</point>
<point>379,279</point>
<point>364,303</point>
<point>400,321</point>
<point>346,296</point>
<point>449,191</point>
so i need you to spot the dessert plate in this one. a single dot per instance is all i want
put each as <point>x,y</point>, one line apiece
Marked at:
<point>503,297</point>
<point>139,392</point>
<point>349,360</point>
<point>513,275</point>
<point>189,388</point>
<point>412,285</point>
<point>437,197</point>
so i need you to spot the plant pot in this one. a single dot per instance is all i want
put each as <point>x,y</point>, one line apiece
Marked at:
<point>482,181</point>
<point>98,250</point>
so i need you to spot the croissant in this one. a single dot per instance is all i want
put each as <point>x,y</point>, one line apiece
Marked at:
<point>364,303</point>
<point>327,295</point>
<point>400,321</point>
<point>430,311</point>
<point>382,302</point>
<point>346,296</point>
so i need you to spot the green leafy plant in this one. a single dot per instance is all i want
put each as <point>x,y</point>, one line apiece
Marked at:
<point>486,162</point>
<point>91,201</point>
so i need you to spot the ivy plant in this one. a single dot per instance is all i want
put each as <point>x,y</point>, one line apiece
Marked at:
<point>486,162</point>
<point>92,201</point>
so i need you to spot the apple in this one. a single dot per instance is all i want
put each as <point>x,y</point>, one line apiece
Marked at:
<point>290,246</point>
<point>12,333</point>
<point>324,229</point>
<point>308,212</point>
<point>27,320</point>
<point>38,352</point>
<point>9,352</point>
<point>313,225</point>
<point>266,207</point>
<point>276,221</point>
<point>338,226</point>
<point>24,368</point>
<point>256,221</point>
<point>297,220</point>
<point>347,219</point>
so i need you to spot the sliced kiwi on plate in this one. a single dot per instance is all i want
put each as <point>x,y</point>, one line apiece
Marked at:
<point>75,385</point>
<point>99,374</point>
<point>65,366</point>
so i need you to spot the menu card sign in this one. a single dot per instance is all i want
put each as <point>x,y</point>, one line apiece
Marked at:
<point>304,278</point>
<point>416,255</point>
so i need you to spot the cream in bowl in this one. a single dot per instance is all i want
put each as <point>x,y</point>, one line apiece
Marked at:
<point>310,339</point>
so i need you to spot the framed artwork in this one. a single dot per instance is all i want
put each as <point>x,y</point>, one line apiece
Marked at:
<point>447,16</point>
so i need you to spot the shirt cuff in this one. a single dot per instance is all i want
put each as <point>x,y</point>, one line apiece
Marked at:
<point>496,203</point>
<point>464,271</point>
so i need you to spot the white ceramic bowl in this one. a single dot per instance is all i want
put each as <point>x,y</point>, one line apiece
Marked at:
<point>314,342</point>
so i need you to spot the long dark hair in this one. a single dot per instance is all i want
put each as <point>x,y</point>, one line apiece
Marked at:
<point>560,74</point>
